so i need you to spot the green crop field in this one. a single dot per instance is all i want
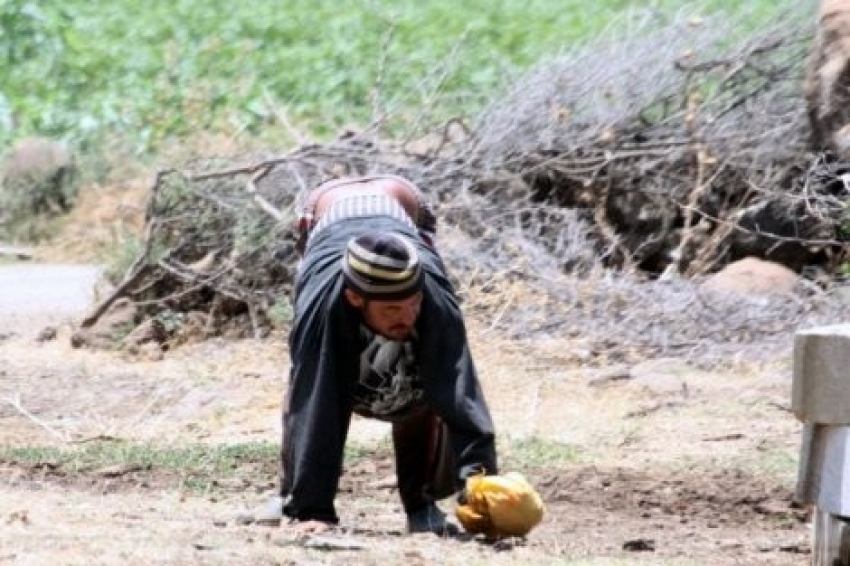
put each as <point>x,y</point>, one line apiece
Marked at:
<point>147,72</point>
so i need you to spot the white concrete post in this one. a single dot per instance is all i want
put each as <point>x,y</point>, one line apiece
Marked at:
<point>820,398</point>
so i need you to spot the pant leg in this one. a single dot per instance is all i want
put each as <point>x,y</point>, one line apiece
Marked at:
<point>284,481</point>
<point>285,457</point>
<point>424,461</point>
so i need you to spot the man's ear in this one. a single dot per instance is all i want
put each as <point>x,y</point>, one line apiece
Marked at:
<point>353,298</point>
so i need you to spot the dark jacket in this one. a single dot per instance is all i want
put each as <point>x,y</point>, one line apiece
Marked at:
<point>325,350</point>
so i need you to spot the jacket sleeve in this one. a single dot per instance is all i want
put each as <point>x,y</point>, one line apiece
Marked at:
<point>450,378</point>
<point>316,417</point>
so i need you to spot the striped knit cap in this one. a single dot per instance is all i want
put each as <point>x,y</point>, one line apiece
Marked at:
<point>382,266</point>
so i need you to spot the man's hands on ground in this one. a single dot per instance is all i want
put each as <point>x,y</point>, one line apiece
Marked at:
<point>303,528</point>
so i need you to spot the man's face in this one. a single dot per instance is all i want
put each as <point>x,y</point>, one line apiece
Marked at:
<point>391,319</point>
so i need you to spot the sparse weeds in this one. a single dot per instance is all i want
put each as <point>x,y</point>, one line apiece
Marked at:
<point>99,454</point>
<point>535,452</point>
<point>122,255</point>
<point>201,465</point>
<point>197,466</point>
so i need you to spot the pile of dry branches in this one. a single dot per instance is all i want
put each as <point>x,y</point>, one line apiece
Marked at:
<point>666,151</point>
<point>682,154</point>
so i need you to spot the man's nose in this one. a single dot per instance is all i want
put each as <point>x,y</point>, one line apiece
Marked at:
<point>409,315</point>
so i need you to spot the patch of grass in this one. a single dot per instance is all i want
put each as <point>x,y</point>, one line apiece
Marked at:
<point>770,461</point>
<point>534,452</point>
<point>214,459</point>
<point>30,454</point>
<point>356,451</point>
<point>775,460</point>
<point>198,467</point>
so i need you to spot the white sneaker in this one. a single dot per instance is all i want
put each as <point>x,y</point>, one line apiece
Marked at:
<point>268,514</point>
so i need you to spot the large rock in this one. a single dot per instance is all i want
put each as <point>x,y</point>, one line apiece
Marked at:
<point>821,389</point>
<point>752,276</point>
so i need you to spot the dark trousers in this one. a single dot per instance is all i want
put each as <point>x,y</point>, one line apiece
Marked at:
<point>425,465</point>
<point>423,457</point>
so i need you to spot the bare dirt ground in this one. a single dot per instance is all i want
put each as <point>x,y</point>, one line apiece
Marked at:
<point>671,464</point>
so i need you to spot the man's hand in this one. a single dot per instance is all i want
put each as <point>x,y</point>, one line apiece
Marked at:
<point>499,506</point>
<point>303,528</point>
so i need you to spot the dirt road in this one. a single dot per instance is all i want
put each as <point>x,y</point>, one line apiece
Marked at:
<point>656,462</point>
<point>33,295</point>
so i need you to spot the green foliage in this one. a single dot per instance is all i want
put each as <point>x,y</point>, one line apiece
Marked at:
<point>158,70</point>
<point>281,313</point>
<point>28,229</point>
<point>252,232</point>
<point>198,466</point>
<point>37,182</point>
<point>121,256</point>
<point>536,452</point>
<point>106,453</point>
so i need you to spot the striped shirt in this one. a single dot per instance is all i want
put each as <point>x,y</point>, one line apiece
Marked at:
<point>350,206</point>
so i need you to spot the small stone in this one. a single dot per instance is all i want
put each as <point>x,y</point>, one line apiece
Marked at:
<point>46,334</point>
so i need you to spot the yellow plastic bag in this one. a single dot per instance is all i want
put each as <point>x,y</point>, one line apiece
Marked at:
<point>500,506</point>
